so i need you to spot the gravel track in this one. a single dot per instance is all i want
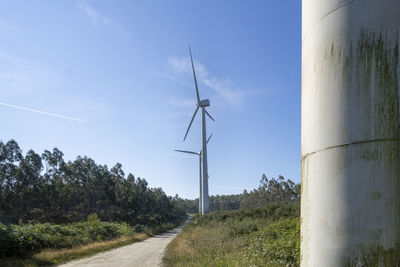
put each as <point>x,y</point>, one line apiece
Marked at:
<point>145,253</point>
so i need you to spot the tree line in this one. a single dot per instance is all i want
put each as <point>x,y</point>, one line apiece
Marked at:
<point>269,191</point>
<point>46,188</point>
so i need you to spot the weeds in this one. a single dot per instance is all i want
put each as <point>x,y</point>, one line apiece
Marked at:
<point>267,236</point>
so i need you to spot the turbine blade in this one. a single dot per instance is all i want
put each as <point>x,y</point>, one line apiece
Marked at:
<point>208,139</point>
<point>208,114</point>
<point>189,152</point>
<point>194,76</point>
<point>190,124</point>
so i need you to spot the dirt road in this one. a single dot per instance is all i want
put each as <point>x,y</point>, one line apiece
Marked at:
<point>146,253</point>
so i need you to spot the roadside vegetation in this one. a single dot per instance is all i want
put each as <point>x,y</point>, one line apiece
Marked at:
<point>52,211</point>
<point>264,230</point>
<point>268,236</point>
<point>49,244</point>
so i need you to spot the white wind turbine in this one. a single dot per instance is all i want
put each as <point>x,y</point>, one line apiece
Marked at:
<point>200,172</point>
<point>204,167</point>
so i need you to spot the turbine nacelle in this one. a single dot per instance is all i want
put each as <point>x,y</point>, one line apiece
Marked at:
<point>204,103</point>
<point>200,103</point>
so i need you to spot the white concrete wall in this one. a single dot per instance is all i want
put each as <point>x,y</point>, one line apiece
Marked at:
<point>350,202</point>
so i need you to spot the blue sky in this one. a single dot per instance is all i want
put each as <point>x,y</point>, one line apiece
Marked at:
<point>112,81</point>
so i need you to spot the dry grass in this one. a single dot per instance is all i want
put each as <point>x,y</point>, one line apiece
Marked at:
<point>53,257</point>
<point>181,245</point>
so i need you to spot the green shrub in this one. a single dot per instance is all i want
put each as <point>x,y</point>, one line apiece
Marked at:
<point>31,238</point>
<point>24,240</point>
<point>8,242</point>
<point>275,244</point>
<point>127,230</point>
<point>245,226</point>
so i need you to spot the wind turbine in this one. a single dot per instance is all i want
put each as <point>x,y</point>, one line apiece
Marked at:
<point>200,172</point>
<point>201,104</point>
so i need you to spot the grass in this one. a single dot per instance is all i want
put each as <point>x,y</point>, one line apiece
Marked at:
<point>268,236</point>
<point>50,257</point>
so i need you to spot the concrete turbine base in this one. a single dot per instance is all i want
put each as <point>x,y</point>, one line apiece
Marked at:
<point>350,200</point>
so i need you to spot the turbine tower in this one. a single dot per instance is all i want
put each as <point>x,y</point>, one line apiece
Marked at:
<point>204,173</point>
<point>200,172</point>
<point>350,134</point>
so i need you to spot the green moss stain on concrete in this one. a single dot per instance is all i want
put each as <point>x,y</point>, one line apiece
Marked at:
<point>376,195</point>
<point>369,70</point>
<point>379,257</point>
<point>371,154</point>
<point>377,81</point>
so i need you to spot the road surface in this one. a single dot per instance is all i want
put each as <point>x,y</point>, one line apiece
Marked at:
<point>146,253</point>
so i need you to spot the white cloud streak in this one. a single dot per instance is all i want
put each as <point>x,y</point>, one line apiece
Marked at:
<point>41,112</point>
<point>98,18</point>
<point>12,58</point>
<point>223,87</point>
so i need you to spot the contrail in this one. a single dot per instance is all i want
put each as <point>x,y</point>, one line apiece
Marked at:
<point>41,112</point>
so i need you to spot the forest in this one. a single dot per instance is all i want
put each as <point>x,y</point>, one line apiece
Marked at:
<point>43,188</point>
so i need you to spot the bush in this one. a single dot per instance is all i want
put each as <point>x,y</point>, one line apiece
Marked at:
<point>271,212</point>
<point>25,240</point>
<point>31,238</point>
<point>245,226</point>
<point>278,243</point>
<point>8,242</point>
<point>268,236</point>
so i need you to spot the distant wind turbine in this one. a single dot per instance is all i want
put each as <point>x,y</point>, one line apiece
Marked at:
<point>200,173</point>
<point>201,104</point>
